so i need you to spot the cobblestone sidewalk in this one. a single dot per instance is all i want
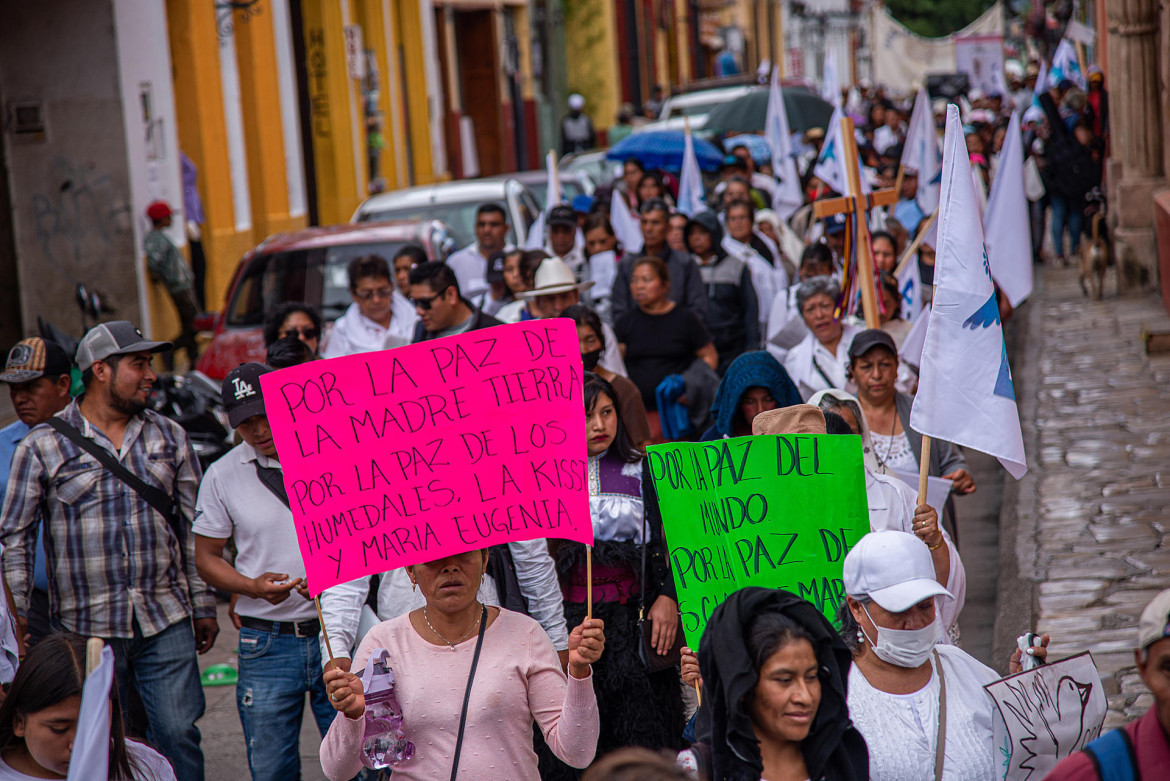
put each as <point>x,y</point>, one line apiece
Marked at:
<point>1094,509</point>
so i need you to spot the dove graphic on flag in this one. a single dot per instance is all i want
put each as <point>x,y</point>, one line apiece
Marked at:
<point>91,744</point>
<point>691,198</point>
<point>922,153</point>
<point>787,197</point>
<point>1007,229</point>
<point>910,288</point>
<point>626,226</point>
<point>1065,65</point>
<point>965,392</point>
<point>830,167</point>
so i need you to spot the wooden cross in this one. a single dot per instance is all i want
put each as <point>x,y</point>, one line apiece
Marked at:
<point>859,206</point>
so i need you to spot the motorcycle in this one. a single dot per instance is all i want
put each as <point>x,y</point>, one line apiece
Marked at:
<point>192,400</point>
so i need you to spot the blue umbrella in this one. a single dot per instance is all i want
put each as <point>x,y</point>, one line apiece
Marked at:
<point>757,146</point>
<point>664,149</point>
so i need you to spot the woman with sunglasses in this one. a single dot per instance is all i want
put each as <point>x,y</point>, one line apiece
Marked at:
<point>296,319</point>
<point>376,319</point>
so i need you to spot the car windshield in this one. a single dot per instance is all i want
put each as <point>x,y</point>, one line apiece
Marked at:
<point>316,276</point>
<point>459,216</point>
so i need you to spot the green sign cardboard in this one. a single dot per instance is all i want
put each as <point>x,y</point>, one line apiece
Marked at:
<point>773,511</point>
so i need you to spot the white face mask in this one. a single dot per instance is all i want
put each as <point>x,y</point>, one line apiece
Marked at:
<point>903,647</point>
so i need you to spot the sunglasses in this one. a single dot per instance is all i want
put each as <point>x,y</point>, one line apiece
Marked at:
<point>426,303</point>
<point>382,292</point>
<point>303,333</point>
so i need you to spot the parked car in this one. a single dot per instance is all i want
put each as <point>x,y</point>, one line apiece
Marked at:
<point>695,106</point>
<point>593,164</point>
<point>454,203</point>
<point>573,183</point>
<point>306,265</point>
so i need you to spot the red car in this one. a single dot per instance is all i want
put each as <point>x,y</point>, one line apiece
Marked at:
<point>307,265</point>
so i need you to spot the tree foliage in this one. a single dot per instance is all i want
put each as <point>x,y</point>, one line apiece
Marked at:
<point>936,18</point>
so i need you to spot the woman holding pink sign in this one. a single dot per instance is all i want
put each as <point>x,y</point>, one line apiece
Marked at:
<point>637,684</point>
<point>471,679</point>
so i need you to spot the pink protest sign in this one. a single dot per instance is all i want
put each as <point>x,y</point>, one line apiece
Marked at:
<point>412,454</point>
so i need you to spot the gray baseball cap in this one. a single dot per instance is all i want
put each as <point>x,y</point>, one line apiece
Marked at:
<point>117,337</point>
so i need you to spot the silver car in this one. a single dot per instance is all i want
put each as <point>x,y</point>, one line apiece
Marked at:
<point>455,203</point>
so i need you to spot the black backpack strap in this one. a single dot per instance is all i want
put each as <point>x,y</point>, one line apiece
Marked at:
<point>273,481</point>
<point>154,496</point>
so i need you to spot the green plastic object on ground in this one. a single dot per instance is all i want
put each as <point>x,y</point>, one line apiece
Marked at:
<point>219,675</point>
<point>772,511</point>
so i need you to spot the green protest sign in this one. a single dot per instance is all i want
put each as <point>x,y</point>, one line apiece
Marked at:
<point>773,511</point>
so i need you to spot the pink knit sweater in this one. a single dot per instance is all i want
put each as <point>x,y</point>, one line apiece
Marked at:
<point>519,679</point>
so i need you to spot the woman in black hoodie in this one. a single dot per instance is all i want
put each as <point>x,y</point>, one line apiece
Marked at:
<point>732,308</point>
<point>774,677</point>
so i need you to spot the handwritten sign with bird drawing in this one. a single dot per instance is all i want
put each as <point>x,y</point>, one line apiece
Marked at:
<point>1050,712</point>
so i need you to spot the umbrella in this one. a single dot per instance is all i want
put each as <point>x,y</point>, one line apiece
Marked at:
<point>664,149</point>
<point>757,146</point>
<point>748,114</point>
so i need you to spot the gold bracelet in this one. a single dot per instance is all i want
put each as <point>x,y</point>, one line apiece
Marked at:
<point>941,540</point>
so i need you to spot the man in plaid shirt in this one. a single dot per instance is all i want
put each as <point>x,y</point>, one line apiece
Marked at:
<point>117,568</point>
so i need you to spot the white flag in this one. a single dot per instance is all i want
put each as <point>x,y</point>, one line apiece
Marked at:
<point>1006,226</point>
<point>626,227</point>
<point>787,197</point>
<point>91,744</point>
<point>535,239</point>
<point>691,198</point>
<point>830,167</point>
<point>923,154</point>
<point>831,84</point>
<point>1065,65</point>
<point>910,287</point>
<point>911,350</point>
<point>965,391</point>
<point>1041,83</point>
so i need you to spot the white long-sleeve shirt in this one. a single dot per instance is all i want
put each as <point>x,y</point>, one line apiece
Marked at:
<point>341,606</point>
<point>353,332</point>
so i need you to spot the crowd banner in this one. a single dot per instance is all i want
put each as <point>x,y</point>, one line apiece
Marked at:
<point>903,59</point>
<point>408,455</point>
<point>1050,712</point>
<point>965,390</point>
<point>773,511</point>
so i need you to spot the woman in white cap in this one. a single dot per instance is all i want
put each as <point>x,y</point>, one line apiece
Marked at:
<point>920,706</point>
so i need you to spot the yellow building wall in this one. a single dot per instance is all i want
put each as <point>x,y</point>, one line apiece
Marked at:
<point>203,137</point>
<point>335,132</point>
<point>263,133</point>
<point>591,51</point>
<point>409,36</point>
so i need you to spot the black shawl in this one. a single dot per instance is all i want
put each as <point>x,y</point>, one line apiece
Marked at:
<point>834,750</point>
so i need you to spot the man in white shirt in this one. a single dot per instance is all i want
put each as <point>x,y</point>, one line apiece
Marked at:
<point>242,498</point>
<point>376,319</point>
<point>470,263</point>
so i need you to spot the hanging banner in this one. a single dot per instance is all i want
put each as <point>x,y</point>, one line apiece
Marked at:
<point>772,511</point>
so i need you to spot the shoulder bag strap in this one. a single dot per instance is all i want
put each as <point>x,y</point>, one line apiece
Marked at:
<point>940,744</point>
<point>483,620</point>
<point>273,481</point>
<point>154,496</point>
<point>645,544</point>
<point>820,371</point>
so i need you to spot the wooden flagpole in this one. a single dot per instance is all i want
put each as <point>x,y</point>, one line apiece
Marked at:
<point>324,631</point>
<point>589,581</point>
<point>924,470</point>
<point>909,251</point>
<point>93,654</point>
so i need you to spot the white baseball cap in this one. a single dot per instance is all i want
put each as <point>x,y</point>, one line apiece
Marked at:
<point>892,568</point>
<point>576,102</point>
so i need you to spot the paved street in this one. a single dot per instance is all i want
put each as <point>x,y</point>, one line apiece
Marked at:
<point>1092,510</point>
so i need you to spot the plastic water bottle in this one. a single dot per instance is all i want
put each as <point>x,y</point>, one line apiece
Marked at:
<point>384,742</point>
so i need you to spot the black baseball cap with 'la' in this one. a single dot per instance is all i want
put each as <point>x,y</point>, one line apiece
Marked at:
<point>241,393</point>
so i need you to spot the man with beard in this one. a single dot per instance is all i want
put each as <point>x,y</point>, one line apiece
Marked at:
<point>120,559</point>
